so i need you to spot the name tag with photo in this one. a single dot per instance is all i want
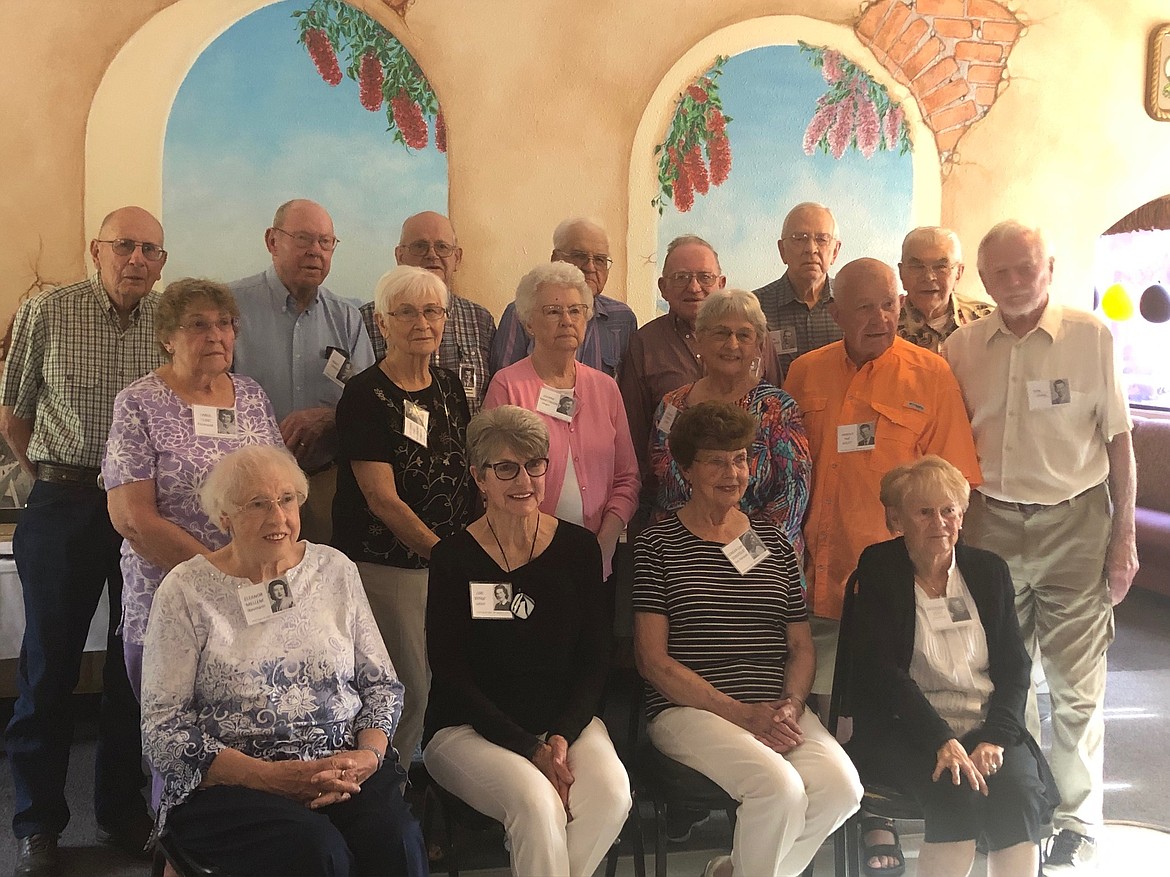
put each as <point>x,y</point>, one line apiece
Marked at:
<point>212,421</point>
<point>853,437</point>
<point>491,600</point>
<point>1049,394</point>
<point>415,421</point>
<point>557,403</point>
<point>666,421</point>
<point>337,366</point>
<point>747,552</point>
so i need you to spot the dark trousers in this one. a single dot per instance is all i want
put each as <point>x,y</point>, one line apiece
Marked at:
<point>250,833</point>
<point>67,551</point>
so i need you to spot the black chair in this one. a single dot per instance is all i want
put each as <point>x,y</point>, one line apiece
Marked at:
<point>168,851</point>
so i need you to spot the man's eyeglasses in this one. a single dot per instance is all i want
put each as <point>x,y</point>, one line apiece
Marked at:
<point>432,313</point>
<point>200,326</point>
<point>261,505</point>
<point>442,249</point>
<point>933,268</point>
<point>506,470</point>
<point>683,278</point>
<point>303,240</point>
<point>800,238</point>
<point>580,258</point>
<point>575,312</point>
<point>125,246</point>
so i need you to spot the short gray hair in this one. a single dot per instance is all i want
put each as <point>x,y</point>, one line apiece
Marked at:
<point>722,303</point>
<point>507,428</point>
<point>1012,228</point>
<point>406,282</point>
<point>807,205</point>
<point>927,473</point>
<point>932,233</point>
<point>234,478</point>
<point>567,227</point>
<point>550,274</point>
<point>683,240</point>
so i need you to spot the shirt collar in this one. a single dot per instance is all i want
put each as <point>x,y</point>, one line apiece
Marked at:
<point>107,304</point>
<point>788,292</point>
<point>282,299</point>
<point>1049,322</point>
<point>603,305</point>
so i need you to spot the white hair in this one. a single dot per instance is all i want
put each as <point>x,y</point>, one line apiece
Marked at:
<point>550,274</point>
<point>406,282</point>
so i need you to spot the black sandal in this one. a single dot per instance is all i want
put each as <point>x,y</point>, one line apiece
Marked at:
<point>893,851</point>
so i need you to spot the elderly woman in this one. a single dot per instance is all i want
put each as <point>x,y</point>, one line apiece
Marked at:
<point>511,721</point>
<point>941,680</point>
<point>270,729</point>
<point>402,480</point>
<point>721,636</point>
<point>165,438</point>
<point>592,476</point>
<point>731,334</point>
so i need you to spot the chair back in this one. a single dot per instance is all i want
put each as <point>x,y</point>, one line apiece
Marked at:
<point>839,699</point>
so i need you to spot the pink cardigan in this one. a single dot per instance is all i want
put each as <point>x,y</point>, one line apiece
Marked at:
<point>598,436</point>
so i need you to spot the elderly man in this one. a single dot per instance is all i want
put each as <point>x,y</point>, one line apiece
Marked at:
<point>585,244</point>
<point>301,342</point>
<point>428,241</point>
<point>931,266</point>
<point>797,305</point>
<point>72,350</point>
<point>1052,427</point>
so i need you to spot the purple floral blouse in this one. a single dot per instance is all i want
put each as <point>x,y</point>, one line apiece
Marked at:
<point>153,438</point>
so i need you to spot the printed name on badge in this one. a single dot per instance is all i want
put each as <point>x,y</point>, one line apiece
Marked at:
<point>557,403</point>
<point>947,613</point>
<point>255,603</point>
<point>213,421</point>
<point>856,437</point>
<point>747,552</point>
<point>337,366</point>
<point>492,600</point>
<point>666,421</point>
<point>415,419</point>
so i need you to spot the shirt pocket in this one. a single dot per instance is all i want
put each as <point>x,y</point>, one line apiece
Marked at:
<point>898,436</point>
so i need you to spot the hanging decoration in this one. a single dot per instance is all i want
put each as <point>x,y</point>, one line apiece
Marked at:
<point>1116,304</point>
<point>698,126</point>
<point>1155,304</point>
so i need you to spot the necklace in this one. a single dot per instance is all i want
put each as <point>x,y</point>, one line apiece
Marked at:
<point>932,591</point>
<point>503,553</point>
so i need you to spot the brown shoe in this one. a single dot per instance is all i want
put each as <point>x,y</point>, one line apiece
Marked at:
<point>36,856</point>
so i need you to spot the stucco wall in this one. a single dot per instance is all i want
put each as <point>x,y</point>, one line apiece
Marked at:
<point>544,101</point>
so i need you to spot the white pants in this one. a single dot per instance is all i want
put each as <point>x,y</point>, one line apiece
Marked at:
<point>398,599</point>
<point>510,788</point>
<point>789,803</point>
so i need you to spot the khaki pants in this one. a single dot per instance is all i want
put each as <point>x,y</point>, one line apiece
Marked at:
<point>1057,561</point>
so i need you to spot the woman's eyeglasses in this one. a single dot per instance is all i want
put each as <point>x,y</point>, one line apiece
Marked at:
<point>506,470</point>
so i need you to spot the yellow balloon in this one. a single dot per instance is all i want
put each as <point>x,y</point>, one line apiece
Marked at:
<point>1116,303</point>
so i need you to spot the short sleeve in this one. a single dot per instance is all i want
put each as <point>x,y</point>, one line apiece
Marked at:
<point>23,378</point>
<point>130,452</point>
<point>649,575</point>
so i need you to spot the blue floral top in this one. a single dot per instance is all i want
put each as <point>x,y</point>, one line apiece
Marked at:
<point>300,684</point>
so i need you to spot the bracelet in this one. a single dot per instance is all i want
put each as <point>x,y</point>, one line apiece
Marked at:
<point>799,700</point>
<point>381,756</point>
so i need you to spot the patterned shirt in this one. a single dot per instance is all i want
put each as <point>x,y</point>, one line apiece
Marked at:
<point>300,684</point>
<point>779,464</point>
<point>607,335</point>
<point>464,349</point>
<point>914,327</point>
<point>729,628</point>
<point>790,319</point>
<point>153,439</point>
<point>69,358</point>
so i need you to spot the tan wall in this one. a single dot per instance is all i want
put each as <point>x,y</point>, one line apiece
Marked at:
<point>544,100</point>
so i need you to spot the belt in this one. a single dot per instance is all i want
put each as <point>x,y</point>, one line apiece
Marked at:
<point>1031,508</point>
<point>58,473</point>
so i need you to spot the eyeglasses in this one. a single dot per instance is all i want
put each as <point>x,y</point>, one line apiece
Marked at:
<point>683,278</point>
<point>722,334</point>
<point>575,312</point>
<point>302,240</point>
<point>125,246</point>
<point>580,258</point>
<point>800,238</point>
<point>933,268</point>
<point>420,248</point>
<point>506,470</point>
<point>739,461</point>
<point>432,313</point>
<point>260,506</point>
<point>200,326</point>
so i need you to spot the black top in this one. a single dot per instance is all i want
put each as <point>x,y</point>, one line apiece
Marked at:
<point>515,679</point>
<point>434,481</point>
<point>729,628</point>
<point>884,618</point>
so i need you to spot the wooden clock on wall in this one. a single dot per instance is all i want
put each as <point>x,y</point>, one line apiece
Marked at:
<point>1158,76</point>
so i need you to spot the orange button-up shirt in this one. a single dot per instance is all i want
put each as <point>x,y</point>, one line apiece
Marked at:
<point>914,400</point>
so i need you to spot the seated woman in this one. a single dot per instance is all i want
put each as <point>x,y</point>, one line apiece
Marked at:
<point>731,336</point>
<point>592,471</point>
<point>721,635</point>
<point>266,725</point>
<point>941,678</point>
<point>510,723</point>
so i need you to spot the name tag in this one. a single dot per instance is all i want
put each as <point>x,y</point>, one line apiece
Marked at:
<point>666,421</point>
<point>784,340</point>
<point>947,613</point>
<point>557,403</point>
<point>209,420</point>
<point>853,437</point>
<point>746,553</point>
<point>1048,394</point>
<point>337,366</point>
<point>491,600</point>
<point>261,601</point>
<point>467,378</point>
<point>415,421</point>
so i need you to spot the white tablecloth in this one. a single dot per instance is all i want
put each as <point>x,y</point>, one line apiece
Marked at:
<point>12,615</point>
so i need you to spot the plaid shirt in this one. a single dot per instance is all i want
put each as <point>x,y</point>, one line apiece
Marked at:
<point>913,326</point>
<point>464,348</point>
<point>69,359</point>
<point>784,310</point>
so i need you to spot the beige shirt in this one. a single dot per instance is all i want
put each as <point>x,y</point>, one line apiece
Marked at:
<point>1042,407</point>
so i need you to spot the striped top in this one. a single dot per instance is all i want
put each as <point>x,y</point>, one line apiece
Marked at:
<point>729,628</point>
